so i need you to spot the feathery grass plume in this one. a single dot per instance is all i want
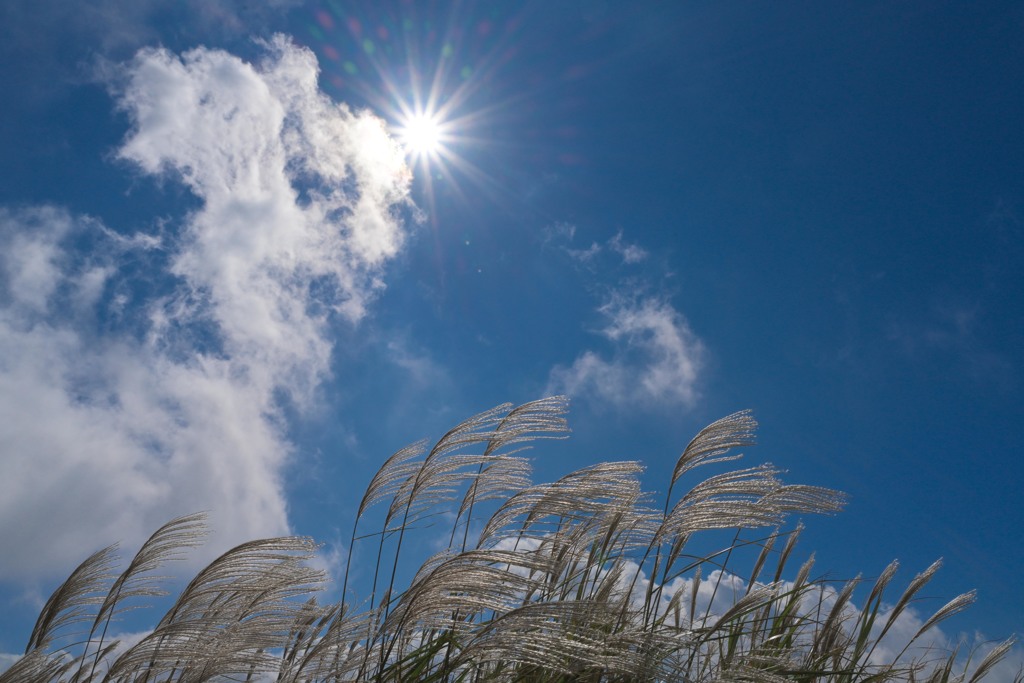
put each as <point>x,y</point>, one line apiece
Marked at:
<point>497,478</point>
<point>167,543</point>
<point>762,558</point>
<point>992,658</point>
<point>580,580</point>
<point>829,641</point>
<point>230,616</point>
<point>954,606</point>
<point>915,585</point>
<point>68,605</point>
<point>445,468</point>
<point>304,633</point>
<point>586,493</point>
<point>567,640</point>
<point>712,443</point>
<point>35,667</point>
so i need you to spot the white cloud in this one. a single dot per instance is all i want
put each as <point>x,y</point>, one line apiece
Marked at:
<point>1006,671</point>
<point>630,253</point>
<point>30,258</point>
<point>564,233</point>
<point>719,590</point>
<point>106,435</point>
<point>422,369</point>
<point>240,136</point>
<point>8,659</point>
<point>560,231</point>
<point>585,256</point>
<point>656,358</point>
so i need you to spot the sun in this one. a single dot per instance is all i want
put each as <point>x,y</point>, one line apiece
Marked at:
<point>422,135</point>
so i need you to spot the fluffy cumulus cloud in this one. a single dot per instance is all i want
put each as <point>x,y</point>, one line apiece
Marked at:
<point>707,598</point>
<point>903,642</point>
<point>128,403</point>
<point>655,358</point>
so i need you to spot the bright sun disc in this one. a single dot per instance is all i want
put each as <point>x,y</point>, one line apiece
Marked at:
<point>422,135</point>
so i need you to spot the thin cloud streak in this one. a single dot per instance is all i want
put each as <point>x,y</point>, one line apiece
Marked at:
<point>630,253</point>
<point>655,360</point>
<point>563,233</point>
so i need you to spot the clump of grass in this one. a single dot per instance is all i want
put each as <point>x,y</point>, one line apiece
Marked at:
<point>587,578</point>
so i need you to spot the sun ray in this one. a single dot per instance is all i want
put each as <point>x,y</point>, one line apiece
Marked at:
<point>439,95</point>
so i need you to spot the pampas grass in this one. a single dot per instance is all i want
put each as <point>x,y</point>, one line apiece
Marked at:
<point>588,578</point>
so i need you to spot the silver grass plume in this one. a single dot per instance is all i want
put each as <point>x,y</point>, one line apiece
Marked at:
<point>166,544</point>
<point>230,615</point>
<point>68,605</point>
<point>565,583</point>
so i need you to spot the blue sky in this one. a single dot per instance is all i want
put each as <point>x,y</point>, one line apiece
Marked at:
<point>227,285</point>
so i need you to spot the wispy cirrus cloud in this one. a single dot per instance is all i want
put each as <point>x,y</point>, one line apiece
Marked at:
<point>128,405</point>
<point>949,331</point>
<point>562,234</point>
<point>630,253</point>
<point>654,357</point>
<point>651,356</point>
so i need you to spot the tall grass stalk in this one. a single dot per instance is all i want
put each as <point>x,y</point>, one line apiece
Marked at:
<point>587,578</point>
